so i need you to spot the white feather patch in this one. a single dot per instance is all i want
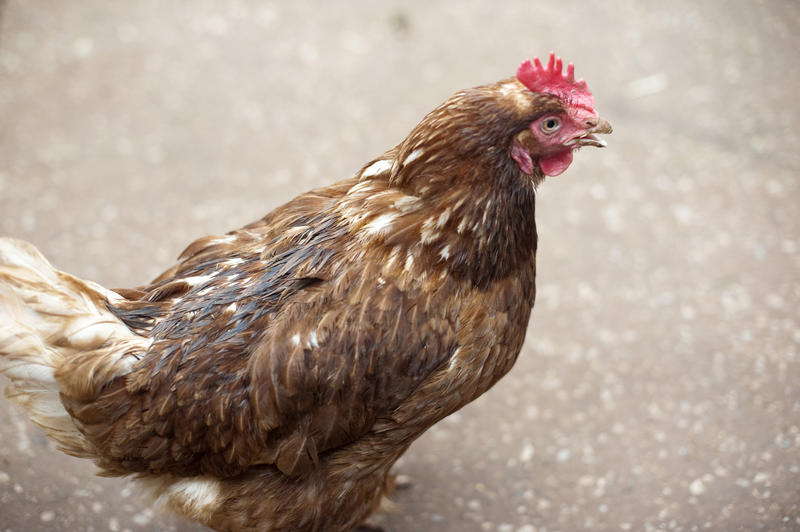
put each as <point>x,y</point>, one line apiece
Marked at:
<point>443,218</point>
<point>377,168</point>
<point>381,224</point>
<point>454,359</point>
<point>312,339</point>
<point>30,372</point>
<point>197,280</point>
<point>408,204</point>
<point>413,156</point>
<point>224,239</point>
<point>89,331</point>
<point>235,261</point>
<point>196,496</point>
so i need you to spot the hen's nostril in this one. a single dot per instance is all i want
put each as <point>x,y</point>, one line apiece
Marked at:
<point>591,122</point>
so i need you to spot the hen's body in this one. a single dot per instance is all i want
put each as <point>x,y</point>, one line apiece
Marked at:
<point>271,378</point>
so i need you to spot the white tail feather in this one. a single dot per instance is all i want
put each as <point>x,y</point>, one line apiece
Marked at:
<point>47,319</point>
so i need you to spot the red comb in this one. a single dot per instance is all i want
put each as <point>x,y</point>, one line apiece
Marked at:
<point>553,81</point>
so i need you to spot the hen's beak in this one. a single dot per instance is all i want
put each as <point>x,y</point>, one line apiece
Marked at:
<point>589,138</point>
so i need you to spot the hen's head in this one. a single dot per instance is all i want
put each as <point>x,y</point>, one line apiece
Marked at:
<point>527,126</point>
<point>555,132</point>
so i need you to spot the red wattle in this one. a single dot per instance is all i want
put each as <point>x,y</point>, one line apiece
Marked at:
<point>554,165</point>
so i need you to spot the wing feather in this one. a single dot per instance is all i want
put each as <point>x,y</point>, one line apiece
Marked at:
<point>293,349</point>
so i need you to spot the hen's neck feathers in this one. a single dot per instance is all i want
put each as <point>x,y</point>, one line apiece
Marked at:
<point>450,194</point>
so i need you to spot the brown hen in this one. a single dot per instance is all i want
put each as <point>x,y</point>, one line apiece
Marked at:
<point>270,379</point>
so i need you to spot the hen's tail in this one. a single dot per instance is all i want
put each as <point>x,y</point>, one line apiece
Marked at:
<point>57,338</point>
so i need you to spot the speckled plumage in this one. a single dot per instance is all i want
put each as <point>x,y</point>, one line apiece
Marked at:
<point>270,379</point>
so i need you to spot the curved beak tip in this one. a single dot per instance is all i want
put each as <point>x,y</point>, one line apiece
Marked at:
<point>603,127</point>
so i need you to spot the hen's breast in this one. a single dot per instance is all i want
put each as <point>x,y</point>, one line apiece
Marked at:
<point>490,331</point>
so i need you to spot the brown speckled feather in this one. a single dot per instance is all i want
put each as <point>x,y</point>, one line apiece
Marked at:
<point>270,379</point>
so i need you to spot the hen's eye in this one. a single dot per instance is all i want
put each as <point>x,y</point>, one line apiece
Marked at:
<point>551,125</point>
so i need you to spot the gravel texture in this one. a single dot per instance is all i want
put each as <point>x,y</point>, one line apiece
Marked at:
<point>659,388</point>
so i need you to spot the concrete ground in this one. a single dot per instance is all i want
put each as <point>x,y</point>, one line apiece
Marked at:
<point>659,388</point>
